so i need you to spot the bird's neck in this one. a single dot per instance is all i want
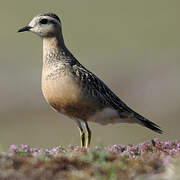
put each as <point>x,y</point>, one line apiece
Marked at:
<point>53,44</point>
<point>55,50</point>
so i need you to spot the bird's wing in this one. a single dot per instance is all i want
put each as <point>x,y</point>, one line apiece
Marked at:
<point>97,88</point>
<point>100,90</point>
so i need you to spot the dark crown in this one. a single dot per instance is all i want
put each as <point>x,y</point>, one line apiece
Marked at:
<point>52,15</point>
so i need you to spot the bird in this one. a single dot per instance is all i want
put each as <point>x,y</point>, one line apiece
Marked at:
<point>74,91</point>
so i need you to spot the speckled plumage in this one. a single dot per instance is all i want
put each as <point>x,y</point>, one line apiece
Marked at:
<point>93,92</point>
<point>73,90</point>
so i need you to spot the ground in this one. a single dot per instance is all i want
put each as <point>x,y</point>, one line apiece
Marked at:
<point>153,159</point>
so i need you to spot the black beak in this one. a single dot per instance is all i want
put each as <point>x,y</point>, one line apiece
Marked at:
<point>26,28</point>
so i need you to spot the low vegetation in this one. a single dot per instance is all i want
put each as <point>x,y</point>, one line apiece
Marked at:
<point>152,159</point>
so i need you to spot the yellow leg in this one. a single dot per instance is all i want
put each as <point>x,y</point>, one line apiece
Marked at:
<point>88,138</point>
<point>82,136</point>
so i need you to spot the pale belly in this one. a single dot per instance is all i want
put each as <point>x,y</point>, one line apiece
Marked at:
<point>108,115</point>
<point>62,90</point>
<point>65,96</point>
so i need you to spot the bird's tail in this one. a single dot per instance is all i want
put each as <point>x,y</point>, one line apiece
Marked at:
<point>149,124</point>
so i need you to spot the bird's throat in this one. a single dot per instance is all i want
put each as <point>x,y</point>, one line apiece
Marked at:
<point>53,43</point>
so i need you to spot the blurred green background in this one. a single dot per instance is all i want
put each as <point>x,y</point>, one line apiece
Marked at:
<point>134,46</point>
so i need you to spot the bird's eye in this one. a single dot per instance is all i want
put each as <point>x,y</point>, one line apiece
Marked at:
<point>43,21</point>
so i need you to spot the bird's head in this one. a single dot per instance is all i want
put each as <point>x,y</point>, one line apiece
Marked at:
<point>44,25</point>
